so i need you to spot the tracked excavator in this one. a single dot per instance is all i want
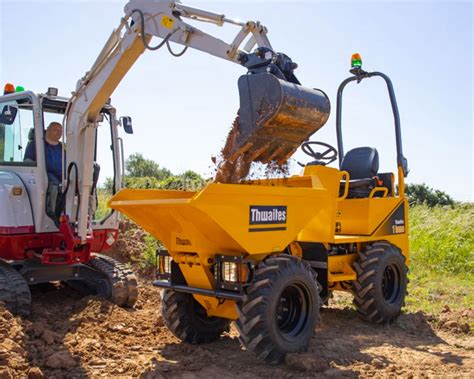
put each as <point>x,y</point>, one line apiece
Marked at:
<point>52,232</point>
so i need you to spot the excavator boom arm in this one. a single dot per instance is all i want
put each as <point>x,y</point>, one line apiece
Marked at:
<point>143,20</point>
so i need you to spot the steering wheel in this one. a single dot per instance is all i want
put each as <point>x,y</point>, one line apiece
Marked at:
<point>327,156</point>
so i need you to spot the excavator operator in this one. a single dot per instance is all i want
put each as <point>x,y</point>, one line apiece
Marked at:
<point>53,152</point>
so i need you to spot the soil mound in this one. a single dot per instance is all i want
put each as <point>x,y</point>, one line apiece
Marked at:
<point>69,335</point>
<point>458,322</point>
<point>13,356</point>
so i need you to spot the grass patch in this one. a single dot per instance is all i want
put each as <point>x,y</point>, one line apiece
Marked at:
<point>430,291</point>
<point>442,238</point>
<point>442,258</point>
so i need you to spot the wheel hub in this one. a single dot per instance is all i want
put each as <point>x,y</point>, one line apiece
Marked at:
<point>292,311</point>
<point>391,280</point>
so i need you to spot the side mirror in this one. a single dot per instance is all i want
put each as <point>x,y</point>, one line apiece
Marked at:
<point>126,123</point>
<point>8,115</point>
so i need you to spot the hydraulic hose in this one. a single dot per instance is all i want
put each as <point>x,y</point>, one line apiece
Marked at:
<point>142,33</point>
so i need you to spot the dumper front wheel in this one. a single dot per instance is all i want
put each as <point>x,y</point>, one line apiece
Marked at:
<point>188,320</point>
<point>381,285</point>
<point>280,309</point>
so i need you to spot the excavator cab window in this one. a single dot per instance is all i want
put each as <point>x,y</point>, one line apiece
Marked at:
<point>103,167</point>
<point>16,118</point>
<point>53,112</point>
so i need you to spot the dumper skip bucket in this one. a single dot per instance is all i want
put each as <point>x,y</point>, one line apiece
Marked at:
<point>275,117</point>
<point>226,218</point>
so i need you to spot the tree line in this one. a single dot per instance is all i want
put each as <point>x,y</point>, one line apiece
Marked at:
<point>141,172</point>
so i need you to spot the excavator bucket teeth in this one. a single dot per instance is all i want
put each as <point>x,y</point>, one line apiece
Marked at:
<point>275,117</point>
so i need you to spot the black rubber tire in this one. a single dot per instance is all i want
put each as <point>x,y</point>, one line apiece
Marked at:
<point>381,285</point>
<point>188,320</point>
<point>122,286</point>
<point>14,290</point>
<point>267,327</point>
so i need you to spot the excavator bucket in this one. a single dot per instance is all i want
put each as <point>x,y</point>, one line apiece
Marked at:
<point>275,117</point>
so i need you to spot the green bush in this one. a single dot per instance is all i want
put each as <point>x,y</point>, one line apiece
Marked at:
<point>145,182</point>
<point>442,238</point>
<point>148,258</point>
<point>103,196</point>
<point>422,194</point>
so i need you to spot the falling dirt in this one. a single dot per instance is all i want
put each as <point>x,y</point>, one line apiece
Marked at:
<point>68,335</point>
<point>234,170</point>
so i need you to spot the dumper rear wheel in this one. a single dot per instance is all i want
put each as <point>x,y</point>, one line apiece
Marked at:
<point>280,309</point>
<point>381,285</point>
<point>188,320</point>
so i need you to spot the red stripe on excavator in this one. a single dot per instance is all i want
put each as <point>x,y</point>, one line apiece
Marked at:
<point>17,229</point>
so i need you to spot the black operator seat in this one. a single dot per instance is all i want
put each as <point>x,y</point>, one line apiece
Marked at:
<point>362,164</point>
<point>31,140</point>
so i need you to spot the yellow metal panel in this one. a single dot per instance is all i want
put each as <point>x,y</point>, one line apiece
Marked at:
<point>199,276</point>
<point>363,216</point>
<point>228,205</point>
<point>217,219</point>
<point>314,177</point>
<point>340,268</point>
<point>330,178</point>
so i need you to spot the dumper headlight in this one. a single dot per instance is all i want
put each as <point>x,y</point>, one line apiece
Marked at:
<point>232,272</point>
<point>163,265</point>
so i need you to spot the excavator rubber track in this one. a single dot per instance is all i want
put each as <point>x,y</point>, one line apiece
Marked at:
<point>14,290</point>
<point>123,286</point>
<point>115,281</point>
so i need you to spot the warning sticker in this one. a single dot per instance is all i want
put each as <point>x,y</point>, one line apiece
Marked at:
<point>167,22</point>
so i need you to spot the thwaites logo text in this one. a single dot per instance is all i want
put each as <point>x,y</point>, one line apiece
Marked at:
<point>267,214</point>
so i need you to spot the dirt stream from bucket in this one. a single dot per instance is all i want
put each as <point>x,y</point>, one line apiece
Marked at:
<point>69,335</point>
<point>234,171</point>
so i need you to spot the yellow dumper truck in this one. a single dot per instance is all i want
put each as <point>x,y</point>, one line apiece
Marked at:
<point>268,253</point>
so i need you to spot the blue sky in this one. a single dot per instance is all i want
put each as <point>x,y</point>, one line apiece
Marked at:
<point>182,108</point>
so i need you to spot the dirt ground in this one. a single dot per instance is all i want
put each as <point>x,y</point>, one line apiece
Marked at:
<point>68,335</point>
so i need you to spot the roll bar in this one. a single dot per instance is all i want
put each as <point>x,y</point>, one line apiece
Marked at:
<point>359,75</point>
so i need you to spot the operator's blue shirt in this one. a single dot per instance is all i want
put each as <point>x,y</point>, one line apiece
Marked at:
<point>53,155</point>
